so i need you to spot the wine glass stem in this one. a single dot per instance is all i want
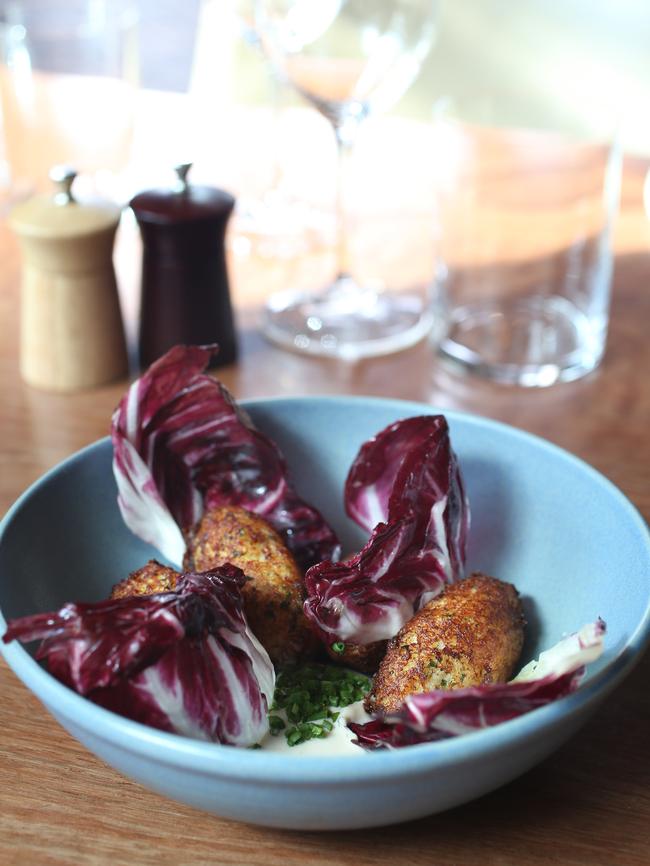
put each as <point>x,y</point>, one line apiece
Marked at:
<point>276,93</point>
<point>345,133</point>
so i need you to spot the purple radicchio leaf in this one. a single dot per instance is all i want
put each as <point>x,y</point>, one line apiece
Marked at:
<point>405,486</point>
<point>182,661</point>
<point>181,445</point>
<point>440,714</point>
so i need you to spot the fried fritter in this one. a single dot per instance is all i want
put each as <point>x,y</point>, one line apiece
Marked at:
<point>152,577</point>
<point>471,634</point>
<point>273,598</point>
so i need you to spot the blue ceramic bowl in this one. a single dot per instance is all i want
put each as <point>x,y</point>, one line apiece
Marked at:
<point>565,536</point>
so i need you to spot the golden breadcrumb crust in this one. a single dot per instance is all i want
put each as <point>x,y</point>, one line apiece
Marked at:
<point>152,577</point>
<point>471,634</point>
<point>273,598</point>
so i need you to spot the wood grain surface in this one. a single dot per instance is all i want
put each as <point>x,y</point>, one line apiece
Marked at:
<point>588,804</point>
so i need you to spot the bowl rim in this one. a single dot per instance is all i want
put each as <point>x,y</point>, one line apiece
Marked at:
<point>207,758</point>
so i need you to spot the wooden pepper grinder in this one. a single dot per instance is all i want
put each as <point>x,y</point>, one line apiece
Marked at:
<point>72,334</point>
<point>185,292</point>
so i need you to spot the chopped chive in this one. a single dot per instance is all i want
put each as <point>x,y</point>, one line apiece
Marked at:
<point>338,647</point>
<point>276,724</point>
<point>294,737</point>
<point>306,695</point>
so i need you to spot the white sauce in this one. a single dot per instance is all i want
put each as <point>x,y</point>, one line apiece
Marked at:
<point>337,742</point>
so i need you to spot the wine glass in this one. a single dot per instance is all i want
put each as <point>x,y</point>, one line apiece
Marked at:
<point>274,224</point>
<point>347,58</point>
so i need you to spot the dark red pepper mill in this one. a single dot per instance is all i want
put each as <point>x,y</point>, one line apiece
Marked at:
<point>185,296</point>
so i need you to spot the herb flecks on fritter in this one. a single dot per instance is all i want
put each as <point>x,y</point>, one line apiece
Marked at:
<point>151,578</point>
<point>470,635</point>
<point>273,598</point>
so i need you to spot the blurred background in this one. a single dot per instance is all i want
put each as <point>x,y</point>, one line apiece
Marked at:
<point>202,92</point>
<point>532,47</point>
<point>582,66</point>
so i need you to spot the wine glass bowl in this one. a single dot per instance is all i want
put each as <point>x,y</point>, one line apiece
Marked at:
<point>347,58</point>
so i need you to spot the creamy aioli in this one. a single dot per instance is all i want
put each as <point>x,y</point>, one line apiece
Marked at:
<point>337,742</point>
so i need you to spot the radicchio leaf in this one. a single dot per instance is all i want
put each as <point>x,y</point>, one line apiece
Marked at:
<point>181,445</point>
<point>447,713</point>
<point>405,486</point>
<point>182,661</point>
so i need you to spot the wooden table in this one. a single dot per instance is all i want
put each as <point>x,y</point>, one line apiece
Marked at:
<point>588,804</point>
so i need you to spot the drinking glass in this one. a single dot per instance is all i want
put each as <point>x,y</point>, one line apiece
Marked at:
<point>347,58</point>
<point>524,222</point>
<point>527,152</point>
